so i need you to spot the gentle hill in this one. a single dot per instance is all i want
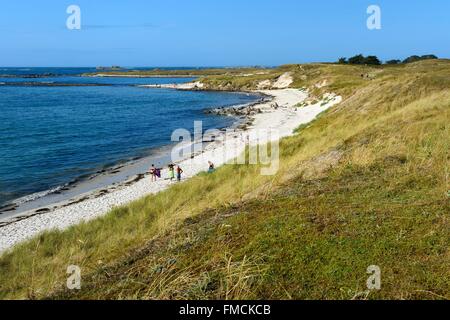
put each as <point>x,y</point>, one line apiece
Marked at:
<point>364,184</point>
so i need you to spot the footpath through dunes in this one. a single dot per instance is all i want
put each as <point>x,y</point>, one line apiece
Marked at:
<point>364,184</point>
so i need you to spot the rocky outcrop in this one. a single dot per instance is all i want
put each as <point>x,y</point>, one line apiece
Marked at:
<point>239,111</point>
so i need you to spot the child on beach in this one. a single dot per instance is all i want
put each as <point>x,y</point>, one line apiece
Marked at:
<point>211,168</point>
<point>179,172</point>
<point>153,172</point>
<point>171,172</point>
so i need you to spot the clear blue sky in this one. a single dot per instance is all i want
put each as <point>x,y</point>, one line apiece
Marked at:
<point>217,33</point>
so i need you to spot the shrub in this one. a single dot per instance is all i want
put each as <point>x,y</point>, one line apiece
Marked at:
<point>395,61</point>
<point>418,58</point>
<point>358,59</point>
<point>372,60</point>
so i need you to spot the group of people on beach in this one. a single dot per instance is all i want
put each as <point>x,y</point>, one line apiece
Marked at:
<point>156,172</point>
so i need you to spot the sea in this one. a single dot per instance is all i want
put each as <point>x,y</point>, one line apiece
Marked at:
<point>58,128</point>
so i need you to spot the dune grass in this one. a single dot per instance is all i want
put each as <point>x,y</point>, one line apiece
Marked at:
<point>366,183</point>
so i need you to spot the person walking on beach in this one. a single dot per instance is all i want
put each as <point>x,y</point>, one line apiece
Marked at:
<point>179,172</point>
<point>211,168</point>
<point>171,172</point>
<point>153,172</point>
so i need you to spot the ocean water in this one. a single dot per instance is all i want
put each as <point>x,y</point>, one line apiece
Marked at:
<point>53,135</point>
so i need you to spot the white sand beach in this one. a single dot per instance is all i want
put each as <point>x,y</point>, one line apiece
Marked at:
<point>285,118</point>
<point>178,86</point>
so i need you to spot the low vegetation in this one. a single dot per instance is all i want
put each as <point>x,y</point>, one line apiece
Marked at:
<point>373,60</point>
<point>364,184</point>
<point>360,59</point>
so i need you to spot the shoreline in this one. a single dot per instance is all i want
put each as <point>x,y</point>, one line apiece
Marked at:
<point>70,191</point>
<point>285,118</point>
<point>104,178</point>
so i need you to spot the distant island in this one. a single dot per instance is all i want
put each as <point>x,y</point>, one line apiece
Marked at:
<point>112,68</point>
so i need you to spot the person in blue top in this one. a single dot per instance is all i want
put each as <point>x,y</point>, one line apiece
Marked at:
<point>211,168</point>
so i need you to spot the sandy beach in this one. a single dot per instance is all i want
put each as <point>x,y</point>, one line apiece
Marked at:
<point>280,113</point>
<point>178,86</point>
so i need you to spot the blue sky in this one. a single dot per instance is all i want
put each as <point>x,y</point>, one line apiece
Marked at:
<point>217,33</point>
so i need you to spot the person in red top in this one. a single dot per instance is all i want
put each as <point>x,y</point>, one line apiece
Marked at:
<point>179,172</point>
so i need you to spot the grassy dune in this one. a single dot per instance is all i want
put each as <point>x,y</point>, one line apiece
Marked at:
<point>367,183</point>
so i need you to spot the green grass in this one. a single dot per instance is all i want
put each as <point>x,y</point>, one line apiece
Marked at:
<point>311,240</point>
<point>366,183</point>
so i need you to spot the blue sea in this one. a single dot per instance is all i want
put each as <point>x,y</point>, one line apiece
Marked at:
<point>52,135</point>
